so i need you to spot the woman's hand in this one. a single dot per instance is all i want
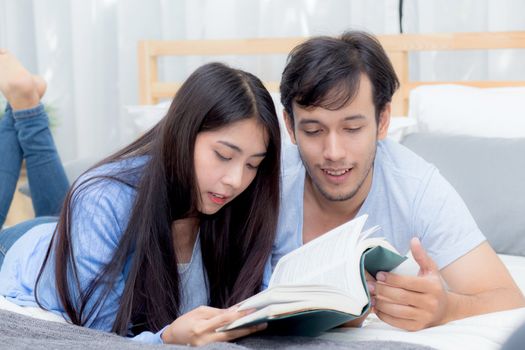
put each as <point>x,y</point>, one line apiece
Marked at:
<point>198,326</point>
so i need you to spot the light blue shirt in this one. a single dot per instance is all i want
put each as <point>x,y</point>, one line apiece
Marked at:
<point>408,198</point>
<point>100,216</point>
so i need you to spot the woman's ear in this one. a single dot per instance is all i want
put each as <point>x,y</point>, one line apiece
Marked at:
<point>289,126</point>
<point>384,122</point>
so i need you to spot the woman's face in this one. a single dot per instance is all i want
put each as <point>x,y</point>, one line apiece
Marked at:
<point>226,162</point>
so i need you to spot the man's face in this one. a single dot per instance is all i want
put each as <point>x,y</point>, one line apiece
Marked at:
<point>338,147</point>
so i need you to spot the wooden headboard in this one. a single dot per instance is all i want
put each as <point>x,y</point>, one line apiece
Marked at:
<point>398,47</point>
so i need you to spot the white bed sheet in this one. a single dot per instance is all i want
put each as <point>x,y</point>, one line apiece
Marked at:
<point>487,331</point>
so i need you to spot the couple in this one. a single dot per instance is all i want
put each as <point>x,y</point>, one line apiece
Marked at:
<point>158,241</point>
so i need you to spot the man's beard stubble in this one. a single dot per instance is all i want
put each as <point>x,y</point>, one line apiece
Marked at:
<point>341,197</point>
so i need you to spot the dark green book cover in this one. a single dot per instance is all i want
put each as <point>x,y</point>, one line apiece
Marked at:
<point>314,322</point>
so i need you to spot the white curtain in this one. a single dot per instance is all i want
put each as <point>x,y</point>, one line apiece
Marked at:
<point>445,16</point>
<point>86,49</point>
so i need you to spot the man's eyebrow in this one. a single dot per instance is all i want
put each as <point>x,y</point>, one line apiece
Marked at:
<point>309,121</point>
<point>355,117</point>
<point>239,150</point>
<point>349,118</point>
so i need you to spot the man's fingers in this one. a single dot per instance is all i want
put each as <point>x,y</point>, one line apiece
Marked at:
<point>392,308</point>
<point>414,283</point>
<point>425,262</point>
<point>407,324</point>
<point>400,296</point>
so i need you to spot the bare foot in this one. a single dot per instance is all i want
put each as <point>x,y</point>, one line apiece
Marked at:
<point>22,89</point>
<point>41,86</point>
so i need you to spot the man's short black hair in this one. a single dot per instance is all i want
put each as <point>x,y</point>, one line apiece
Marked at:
<point>325,72</point>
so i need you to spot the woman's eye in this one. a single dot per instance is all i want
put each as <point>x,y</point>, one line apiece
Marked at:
<point>221,157</point>
<point>252,167</point>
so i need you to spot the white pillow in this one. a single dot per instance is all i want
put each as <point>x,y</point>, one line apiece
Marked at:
<point>144,117</point>
<point>400,127</point>
<point>464,110</point>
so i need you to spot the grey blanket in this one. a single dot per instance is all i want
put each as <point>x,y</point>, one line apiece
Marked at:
<point>22,332</point>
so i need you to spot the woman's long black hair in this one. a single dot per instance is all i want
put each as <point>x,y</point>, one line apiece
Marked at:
<point>235,242</point>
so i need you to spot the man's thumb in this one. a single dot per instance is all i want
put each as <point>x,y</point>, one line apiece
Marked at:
<point>426,264</point>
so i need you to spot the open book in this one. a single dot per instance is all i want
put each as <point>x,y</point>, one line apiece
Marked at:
<point>322,284</point>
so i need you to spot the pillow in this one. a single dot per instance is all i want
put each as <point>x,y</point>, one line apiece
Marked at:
<point>400,127</point>
<point>144,117</point>
<point>457,109</point>
<point>488,173</point>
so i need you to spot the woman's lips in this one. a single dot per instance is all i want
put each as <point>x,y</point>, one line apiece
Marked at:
<point>217,198</point>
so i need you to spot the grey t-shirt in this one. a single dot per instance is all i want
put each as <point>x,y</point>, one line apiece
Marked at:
<point>193,281</point>
<point>408,198</point>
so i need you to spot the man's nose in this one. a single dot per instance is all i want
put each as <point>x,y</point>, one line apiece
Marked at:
<point>333,148</point>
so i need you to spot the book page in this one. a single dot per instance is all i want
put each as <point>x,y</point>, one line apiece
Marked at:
<point>325,273</point>
<point>321,260</point>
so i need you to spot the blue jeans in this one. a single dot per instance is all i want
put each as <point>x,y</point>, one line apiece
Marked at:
<point>25,135</point>
<point>10,235</point>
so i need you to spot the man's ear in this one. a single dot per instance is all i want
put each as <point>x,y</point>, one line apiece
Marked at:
<point>289,126</point>
<point>384,122</point>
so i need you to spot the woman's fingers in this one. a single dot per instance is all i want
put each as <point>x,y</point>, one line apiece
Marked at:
<point>228,316</point>
<point>198,327</point>
<point>205,311</point>
<point>238,333</point>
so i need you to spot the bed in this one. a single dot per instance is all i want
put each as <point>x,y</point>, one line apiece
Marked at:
<point>451,135</point>
<point>443,133</point>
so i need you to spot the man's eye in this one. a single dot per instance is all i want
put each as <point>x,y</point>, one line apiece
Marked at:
<point>353,129</point>
<point>221,157</point>
<point>312,132</point>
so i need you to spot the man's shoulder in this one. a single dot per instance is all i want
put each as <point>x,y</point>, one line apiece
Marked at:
<point>291,162</point>
<point>292,168</point>
<point>401,176</point>
<point>396,160</point>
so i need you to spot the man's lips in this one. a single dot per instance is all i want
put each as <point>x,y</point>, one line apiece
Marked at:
<point>336,172</point>
<point>336,175</point>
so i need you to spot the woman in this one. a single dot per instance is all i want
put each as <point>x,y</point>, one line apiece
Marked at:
<point>184,216</point>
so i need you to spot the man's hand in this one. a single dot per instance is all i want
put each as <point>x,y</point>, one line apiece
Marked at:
<point>412,302</point>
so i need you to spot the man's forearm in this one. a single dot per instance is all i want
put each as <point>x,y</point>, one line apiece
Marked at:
<point>461,306</point>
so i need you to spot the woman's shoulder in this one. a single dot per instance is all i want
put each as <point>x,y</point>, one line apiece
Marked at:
<point>123,173</point>
<point>102,201</point>
<point>110,187</point>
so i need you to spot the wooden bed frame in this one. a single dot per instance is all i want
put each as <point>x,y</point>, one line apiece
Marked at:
<point>398,47</point>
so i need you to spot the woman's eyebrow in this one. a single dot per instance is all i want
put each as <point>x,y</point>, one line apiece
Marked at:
<point>239,150</point>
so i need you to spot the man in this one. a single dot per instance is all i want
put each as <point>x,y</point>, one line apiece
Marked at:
<point>336,94</point>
